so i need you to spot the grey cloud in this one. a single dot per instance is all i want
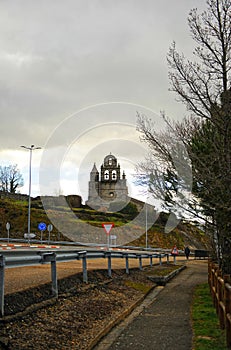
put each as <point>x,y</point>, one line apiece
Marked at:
<point>57,57</point>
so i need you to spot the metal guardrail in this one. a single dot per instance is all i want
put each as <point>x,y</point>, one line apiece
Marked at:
<point>201,253</point>
<point>11,259</point>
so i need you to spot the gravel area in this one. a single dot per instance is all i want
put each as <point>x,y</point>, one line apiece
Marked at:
<point>35,320</point>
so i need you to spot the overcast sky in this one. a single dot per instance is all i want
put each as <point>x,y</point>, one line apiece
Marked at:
<point>73,71</point>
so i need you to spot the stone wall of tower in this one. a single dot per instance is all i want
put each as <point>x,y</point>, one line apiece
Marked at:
<point>93,191</point>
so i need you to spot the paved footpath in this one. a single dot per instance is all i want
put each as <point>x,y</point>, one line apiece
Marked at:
<point>162,321</point>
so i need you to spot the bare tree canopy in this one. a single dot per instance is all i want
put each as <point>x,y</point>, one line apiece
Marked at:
<point>199,83</point>
<point>10,178</point>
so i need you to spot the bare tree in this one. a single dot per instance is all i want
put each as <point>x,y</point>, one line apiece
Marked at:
<point>10,178</point>
<point>203,85</point>
<point>167,169</point>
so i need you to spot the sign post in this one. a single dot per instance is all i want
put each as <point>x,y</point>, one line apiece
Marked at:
<point>113,240</point>
<point>8,231</point>
<point>50,228</point>
<point>42,227</point>
<point>107,227</point>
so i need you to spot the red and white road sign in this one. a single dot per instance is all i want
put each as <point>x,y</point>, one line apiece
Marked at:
<point>108,226</point>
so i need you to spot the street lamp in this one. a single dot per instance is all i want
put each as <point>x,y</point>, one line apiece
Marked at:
<point>31,148</point>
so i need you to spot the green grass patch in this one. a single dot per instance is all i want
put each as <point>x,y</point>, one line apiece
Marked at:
<point>207,332</point>
<point>141,287</point>
<point>99,223</point>
<point>161,270</point>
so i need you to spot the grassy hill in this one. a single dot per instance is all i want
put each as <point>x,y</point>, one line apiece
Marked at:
<point>16,213</point>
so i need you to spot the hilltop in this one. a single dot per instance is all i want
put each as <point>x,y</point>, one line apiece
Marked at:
<point>16,212</point>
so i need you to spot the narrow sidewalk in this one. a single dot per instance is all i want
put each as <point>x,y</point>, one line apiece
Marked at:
<point>163,320</point>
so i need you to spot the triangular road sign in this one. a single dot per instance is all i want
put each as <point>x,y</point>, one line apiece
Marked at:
<point>108,226</point>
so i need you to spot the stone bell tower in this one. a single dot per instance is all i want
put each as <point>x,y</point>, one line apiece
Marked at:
<point>110,186</point>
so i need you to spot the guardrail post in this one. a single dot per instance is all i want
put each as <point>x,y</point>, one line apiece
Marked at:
<point>83,255</point>
<point>108,255</point>
<point>54,276</point>
<point>109,265</point>
<point>160,260</point>
<point>51,257</point>
<point>2,283</point>
<point>84,265</point>
<point>127,264</point>
<point>140,263</point>
<point>167,259</point>
<point>150,260</point>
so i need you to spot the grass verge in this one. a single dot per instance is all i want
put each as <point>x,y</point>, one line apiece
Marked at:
<point>142,287</point>
<point>161,270</point>
<point>207,332</point>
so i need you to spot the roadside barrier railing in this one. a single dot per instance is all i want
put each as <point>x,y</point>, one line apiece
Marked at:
<point>11,259</point>
<point>220,287</point>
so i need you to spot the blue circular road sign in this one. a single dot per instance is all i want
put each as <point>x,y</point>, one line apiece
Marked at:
<point>42,226</point>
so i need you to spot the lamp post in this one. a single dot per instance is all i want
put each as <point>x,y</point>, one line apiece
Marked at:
<point>31,148</point>
<point>146,226</point>
<point>148,215</point>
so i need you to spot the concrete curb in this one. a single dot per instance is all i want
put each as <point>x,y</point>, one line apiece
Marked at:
<point>162,280</point>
